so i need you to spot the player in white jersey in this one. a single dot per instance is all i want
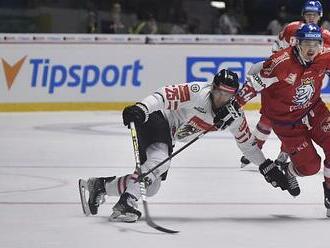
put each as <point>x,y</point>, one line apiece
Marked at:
<point>178,113</point>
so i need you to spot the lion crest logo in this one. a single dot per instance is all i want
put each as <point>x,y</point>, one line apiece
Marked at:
<point>304,92</point>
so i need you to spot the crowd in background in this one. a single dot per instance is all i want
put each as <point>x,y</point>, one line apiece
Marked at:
<point>150,16</point>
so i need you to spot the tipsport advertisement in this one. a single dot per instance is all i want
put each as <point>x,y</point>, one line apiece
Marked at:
<point>32,73</point>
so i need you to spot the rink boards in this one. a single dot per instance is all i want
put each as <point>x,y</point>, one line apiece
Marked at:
<point>86,72</point>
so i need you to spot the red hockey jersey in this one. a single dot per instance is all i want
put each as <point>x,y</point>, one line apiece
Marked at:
<point>289,90</point>
<point>286,36</point>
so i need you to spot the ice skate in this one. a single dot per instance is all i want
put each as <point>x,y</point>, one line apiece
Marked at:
<point>326,198</point>
<point>293,185</point>
<point>96,193</point>
<point>282,158</point>
<point>244,161</point>
<point>125,209</point>
<point>83,189</point>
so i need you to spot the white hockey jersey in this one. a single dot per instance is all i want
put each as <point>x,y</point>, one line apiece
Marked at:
<point>188,109</point>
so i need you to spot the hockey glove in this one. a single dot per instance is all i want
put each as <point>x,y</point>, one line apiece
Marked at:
<point>135,114</point>
<point>273,174</point>
<point>227,114</point>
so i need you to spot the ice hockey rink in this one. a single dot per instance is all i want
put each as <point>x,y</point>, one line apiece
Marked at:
<point>207,196</point>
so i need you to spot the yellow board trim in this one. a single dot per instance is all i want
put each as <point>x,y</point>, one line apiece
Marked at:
<point>83,106</point>
<point>68,106</point>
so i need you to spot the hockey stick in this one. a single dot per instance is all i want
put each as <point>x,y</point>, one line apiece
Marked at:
<point>142,184</point>
<point>143,175</point>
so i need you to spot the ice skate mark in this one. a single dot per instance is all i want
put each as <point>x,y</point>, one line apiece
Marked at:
<point>59,183</point>
<point>110,203</point>
<point>100,128</point>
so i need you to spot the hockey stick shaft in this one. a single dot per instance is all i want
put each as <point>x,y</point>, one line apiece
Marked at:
<point>137,158</point>
<point>143,175</point>
<point>142,183</point>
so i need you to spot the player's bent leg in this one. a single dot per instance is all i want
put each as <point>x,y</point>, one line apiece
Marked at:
<point>154,187</point>
<point>118,186</point>
<point>126,209</point>
<point>260,134</point>
<point>306,164</point>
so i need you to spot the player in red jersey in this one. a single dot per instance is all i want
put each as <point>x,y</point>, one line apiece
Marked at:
<point>311,12</point>
<point>290,82</point>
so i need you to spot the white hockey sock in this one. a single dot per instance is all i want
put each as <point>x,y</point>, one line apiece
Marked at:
<point>133,188</point>
<point>119,185</point>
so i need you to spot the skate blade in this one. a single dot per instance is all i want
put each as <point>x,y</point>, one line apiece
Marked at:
<point>243,165</point>
<point>83,187</point>
<point>328,212</point>
<point>118,217</point>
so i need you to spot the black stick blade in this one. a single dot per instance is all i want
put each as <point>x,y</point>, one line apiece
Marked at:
<point>153,224</point>
<point>159,228</point>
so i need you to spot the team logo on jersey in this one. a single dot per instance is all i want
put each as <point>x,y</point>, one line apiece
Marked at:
<point>304,92</point>
<point>291,79</point>
<point>193,126</point>
<point>195,88</point>
<point>325,126</point>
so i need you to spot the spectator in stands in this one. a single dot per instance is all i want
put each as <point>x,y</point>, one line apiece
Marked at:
<point>91,21</point>
<point>276,25</point>
<point>180,27</point>
<point>147,26</point>
<point>194,26</point>
<point>228,23</point>
<point>116,24</point>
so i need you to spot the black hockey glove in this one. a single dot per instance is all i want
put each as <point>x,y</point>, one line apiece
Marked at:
<point>134,114</point>
<point>273,174</point>
<point>227,114</point>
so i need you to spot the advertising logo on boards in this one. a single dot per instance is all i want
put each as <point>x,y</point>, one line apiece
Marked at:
<point>11,70</point>
<point>204,68</point>
<point>45,73</point>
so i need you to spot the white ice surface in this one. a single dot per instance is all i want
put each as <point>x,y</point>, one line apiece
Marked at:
<point>207,197</point>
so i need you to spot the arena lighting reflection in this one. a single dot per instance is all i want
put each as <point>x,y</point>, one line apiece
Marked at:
<point>218,4</point>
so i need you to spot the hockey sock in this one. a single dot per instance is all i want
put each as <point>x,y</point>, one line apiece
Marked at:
<point>119,185</point>
<point>261,134</point>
